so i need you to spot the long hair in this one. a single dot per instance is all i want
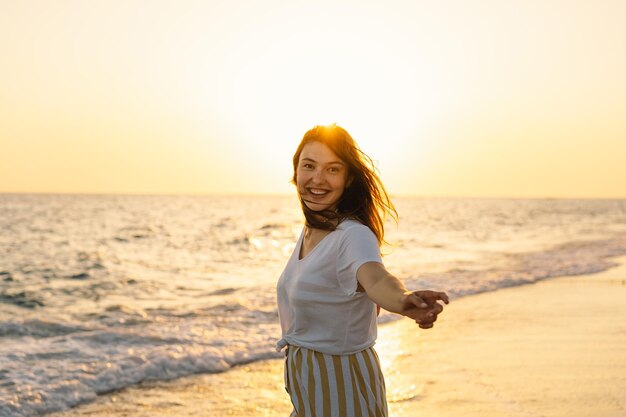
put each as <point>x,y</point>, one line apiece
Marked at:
<point>364,199</point>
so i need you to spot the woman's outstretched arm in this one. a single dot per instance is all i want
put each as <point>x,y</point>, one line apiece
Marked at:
<point>390,293</point>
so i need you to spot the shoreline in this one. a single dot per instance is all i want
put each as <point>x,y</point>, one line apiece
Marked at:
<point>551,348</point>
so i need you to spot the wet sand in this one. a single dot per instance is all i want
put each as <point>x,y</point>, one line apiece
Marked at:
<point>555,348</point>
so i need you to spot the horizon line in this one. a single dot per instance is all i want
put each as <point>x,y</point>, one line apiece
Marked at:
<point>286,194</point>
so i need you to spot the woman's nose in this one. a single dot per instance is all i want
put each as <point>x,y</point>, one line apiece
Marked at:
<point>318,176</point>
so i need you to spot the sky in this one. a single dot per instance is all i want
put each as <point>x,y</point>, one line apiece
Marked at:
<point>450,98</point>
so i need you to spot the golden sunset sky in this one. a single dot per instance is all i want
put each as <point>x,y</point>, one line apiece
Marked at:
<point>452,98</point>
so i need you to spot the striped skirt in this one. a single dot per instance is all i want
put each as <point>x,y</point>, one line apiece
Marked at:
<point>322,385</point>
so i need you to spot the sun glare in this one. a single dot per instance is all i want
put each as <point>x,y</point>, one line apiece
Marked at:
<point>276,84</point>
<point>207,97</point>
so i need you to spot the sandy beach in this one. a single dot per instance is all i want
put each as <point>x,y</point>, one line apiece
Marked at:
<point>555,348</point>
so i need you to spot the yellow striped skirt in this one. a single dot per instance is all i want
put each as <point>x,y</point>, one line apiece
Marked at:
<point>322,385</point>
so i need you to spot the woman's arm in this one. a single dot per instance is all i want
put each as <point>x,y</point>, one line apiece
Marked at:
<point>390,293</point>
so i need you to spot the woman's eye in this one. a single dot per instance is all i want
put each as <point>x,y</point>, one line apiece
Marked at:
<point>307,166</point>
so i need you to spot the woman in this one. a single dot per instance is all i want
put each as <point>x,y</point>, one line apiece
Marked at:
<point>331,286</point>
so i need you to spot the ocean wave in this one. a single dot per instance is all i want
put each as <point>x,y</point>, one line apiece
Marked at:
<point>91,363</point>
<point>26,299</point>
<point>101,292</point>
<point>572,258</point>
<point>38,328</point>
<point>171,344</point>
<point>568,259</point>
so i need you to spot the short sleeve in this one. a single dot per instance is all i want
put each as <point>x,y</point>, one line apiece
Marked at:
<point>357,246</point>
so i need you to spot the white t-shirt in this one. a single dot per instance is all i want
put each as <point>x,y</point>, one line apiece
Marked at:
<point>318,302</point>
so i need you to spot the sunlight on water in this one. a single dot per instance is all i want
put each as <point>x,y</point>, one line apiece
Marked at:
<point>101,292</point>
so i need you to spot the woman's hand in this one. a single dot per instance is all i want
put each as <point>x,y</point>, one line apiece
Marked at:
<point>423,306</point>
<point>390,293</point>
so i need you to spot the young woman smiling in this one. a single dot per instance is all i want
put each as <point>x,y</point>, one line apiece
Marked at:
<point>331,286</point>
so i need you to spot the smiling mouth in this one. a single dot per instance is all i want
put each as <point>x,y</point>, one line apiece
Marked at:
<point>316,192</point>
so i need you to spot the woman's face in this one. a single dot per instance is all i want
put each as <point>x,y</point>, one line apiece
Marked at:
<point>321,177</point>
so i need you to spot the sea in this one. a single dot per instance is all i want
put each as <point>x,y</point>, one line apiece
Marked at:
<point>101,292</point>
